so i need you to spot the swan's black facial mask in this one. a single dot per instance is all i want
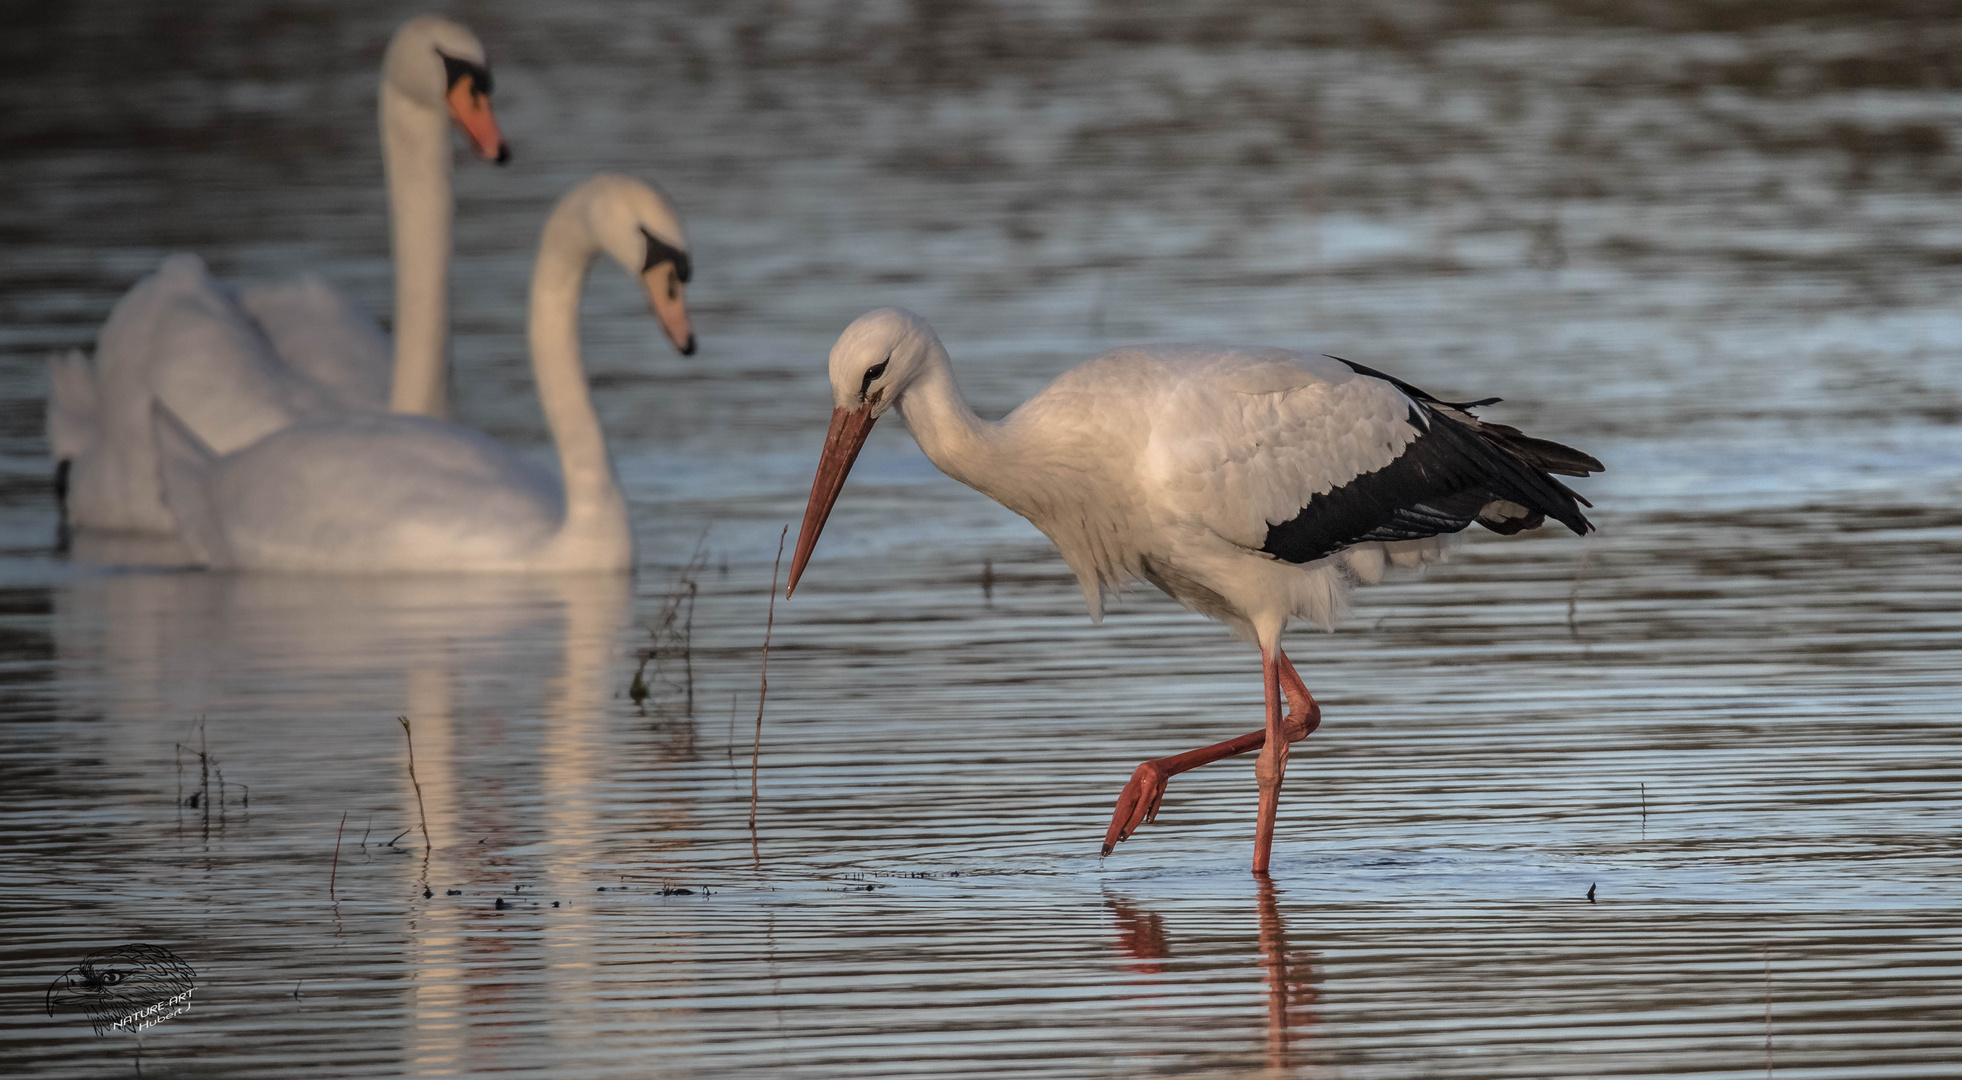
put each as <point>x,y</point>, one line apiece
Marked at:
<point>659,252</point>
<point>455,71</point>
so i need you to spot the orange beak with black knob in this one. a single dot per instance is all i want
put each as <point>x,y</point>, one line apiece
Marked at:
<point>669,299</point>
<point>470,107</point>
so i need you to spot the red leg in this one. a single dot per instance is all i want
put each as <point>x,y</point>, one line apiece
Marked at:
<point>1273,763</point>
<point>1139,801</point>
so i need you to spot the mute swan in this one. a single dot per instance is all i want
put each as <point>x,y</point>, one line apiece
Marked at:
<point>375,493</point>
<point>238,370</point>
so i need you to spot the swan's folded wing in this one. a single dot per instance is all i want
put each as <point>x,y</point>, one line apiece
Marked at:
<point>322,335</point>
<point>184,463</point>
<point>213,369</point>
<point>383,492</point>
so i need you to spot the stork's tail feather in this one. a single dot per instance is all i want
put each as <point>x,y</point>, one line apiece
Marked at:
<point>1543,454</point>
<point>1525,492</point>
<point>1516,490</point>
<point>185,462</point>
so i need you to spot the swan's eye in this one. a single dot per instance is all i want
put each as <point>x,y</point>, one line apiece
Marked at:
<point>455,71</point>
<point>872,373</point>
<point>660,251</point>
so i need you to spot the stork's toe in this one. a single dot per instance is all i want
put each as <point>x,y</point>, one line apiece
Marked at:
<point>1137,804</point>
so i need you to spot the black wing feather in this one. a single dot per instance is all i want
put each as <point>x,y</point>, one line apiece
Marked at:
<point>1412,392</point>
<point>1440,483</point>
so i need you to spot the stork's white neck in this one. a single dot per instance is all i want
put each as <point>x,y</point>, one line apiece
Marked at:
<point>416,163</point>
<point>1014,464</point>
<point>594,508</point>
<point>959,443</point>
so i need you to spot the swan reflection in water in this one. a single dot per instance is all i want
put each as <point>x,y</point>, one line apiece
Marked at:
<point>314,653</point>
<point>509,681</point>
<point>298,679</point>
<point>1286,974</point>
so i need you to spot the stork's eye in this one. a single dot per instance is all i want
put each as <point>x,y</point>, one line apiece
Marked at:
<point>871,374</point>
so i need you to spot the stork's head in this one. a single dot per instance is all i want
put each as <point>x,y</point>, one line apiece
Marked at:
<point>877,357</point>
<point>439,64</point>
<point>875,360</point>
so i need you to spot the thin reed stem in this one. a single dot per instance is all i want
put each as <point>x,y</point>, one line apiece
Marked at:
<point>335,873</point>
<point>756,747</point>
<point>420,812</point>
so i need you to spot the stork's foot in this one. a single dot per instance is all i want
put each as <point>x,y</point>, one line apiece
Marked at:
<point>1138,803</point>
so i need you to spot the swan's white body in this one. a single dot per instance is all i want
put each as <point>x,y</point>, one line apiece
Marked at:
<point>178,338</point>
<point>234,369</point>
<point>392,493</point>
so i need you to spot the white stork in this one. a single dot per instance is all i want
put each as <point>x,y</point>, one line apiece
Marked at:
<point>1248,484</point>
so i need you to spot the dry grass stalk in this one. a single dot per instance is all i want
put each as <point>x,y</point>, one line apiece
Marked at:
<point>1573,596</point>
<point>204,779</point>
<point>756,747</point>
<point>336,871</point>
<point>672,638</point>
<point>420,812</point>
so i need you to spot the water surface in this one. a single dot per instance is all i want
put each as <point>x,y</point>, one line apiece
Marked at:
<point>1719,253</point>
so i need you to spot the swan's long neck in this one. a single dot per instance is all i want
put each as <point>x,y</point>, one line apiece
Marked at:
<point>416,162</point>
<point>959,443</point>
<point>565,253</point>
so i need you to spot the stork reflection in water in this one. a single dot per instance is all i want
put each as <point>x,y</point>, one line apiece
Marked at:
<point>1289,978</point>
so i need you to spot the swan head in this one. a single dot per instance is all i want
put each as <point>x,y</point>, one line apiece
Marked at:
<point>440,65</point>
<point>877,357</point>
<point>639,228</point>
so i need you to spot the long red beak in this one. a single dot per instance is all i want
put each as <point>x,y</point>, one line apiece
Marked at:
<point>841,447</point>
